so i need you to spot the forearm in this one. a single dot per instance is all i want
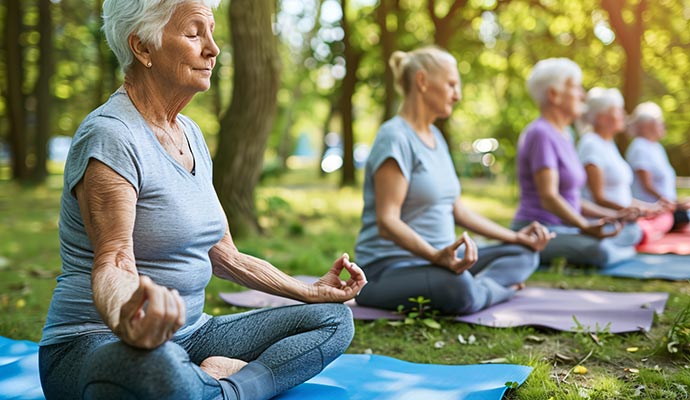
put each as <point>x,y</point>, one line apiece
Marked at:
<point>229,263</point>
<point>603,202</point>
<point>112,286</point>
<point>597,211</point>
<point>397,231</point>
<point>481,225</point>
<point>557,206</point>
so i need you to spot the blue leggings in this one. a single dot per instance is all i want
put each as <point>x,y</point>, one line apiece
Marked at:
<point>488,282</point>
<point>283,347</point>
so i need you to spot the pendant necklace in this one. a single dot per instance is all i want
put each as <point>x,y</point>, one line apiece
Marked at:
<point>170,137</point>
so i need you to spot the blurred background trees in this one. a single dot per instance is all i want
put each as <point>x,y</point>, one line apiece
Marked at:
<point>334,86</point>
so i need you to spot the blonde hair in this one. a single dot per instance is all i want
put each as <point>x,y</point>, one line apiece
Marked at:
<point>406,64</point>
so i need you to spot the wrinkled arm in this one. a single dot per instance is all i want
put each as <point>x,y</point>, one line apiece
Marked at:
<point>107,205</point>
<point>231,264</point>
<point>480,224</point>
<point>140,312</point>
<point>546,181</point>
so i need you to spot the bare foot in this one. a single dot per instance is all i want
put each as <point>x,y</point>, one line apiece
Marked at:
<point>518,286</point>
<point>221,367</point>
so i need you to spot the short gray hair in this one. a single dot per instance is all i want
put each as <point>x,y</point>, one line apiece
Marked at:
<point>551,73</point>
<point>647,111</point>
<point>405,64</point>
<point>144,18</point>
<point>600,100</point>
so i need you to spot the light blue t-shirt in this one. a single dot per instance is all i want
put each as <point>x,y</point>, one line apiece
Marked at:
<point>178,217</point>
<point>428,205</point>
<point>618,176</point>
<point>643,154</point>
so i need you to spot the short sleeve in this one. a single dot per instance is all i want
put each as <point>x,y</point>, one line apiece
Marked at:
<point>392,143</point>
<point>591,152</point>
<point>109,141</point>
<point>640,158</point>
<point>540,150</point>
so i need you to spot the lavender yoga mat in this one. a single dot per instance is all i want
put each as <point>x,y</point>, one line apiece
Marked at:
<point>551,308</point>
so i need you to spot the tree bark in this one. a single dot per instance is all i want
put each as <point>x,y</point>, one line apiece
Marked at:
<point>388,46</point>
<point>15,97</point>
<point>629,36</point>
<point>245,127</point>
<point>42,91</point>
<point>352,58</point>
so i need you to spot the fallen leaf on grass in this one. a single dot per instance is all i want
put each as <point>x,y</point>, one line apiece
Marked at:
<point>439,344</point>
<point>580,370</point>
<point>563,357</point>
<point>632,349</point>
<point>533,338</point>
<point>499,360</point>
<point>632,370</point>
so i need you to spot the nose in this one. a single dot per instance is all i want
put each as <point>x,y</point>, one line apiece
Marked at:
<point>211,49</point>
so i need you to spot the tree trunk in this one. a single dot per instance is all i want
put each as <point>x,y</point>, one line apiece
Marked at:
<point>444,28</point>
<point>15,98</point>
<point>245,127</point>
<point>43,92</point>
<point>629,36</point>
<point>388,45</point>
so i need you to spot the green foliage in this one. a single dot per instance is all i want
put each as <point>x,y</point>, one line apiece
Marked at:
<point>677,340</point>
<point>420,313</point>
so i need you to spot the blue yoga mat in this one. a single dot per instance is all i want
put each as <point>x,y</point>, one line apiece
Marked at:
<point>19,370</point>
<point>364,377</point>
<point>672,267</point>
<point>350,376</point>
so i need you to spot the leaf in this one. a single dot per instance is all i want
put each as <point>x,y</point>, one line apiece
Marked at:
<point>533,338</point>
<point>512,384</point>
<point>632,349</point>
<point>471,340</point>
<point>439,344</point>
<point>499,360</point>
<point>563,357</point>
<point>580,370</point>
<point>431,323</point>
<point>632,370</point>
<point>461,339</point>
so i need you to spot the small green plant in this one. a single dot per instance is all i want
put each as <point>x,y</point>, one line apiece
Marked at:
<point>419,313</point>
<point>677,339</point>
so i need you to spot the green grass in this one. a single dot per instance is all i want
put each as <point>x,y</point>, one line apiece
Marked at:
<point>308,222</point>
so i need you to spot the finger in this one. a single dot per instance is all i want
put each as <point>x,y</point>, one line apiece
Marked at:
<point>356,273</point>
<point>470,248</point>
<point>457,243</point>
<point>134,307</point>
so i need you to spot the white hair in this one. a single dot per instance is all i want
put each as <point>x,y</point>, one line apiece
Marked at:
<point>647,111</point>
<point>405,64</point>
<point>551,73</point>
<point>600,100</point>
<point>144,18</point>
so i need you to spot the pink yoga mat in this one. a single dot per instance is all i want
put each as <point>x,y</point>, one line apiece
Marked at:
<point>676,243</point>
<point>564,310</point>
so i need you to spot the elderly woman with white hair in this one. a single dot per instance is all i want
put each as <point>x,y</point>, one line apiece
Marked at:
<point>609,177</point>
<point>551,176</point>
<point>142,231</point>
<point>654,178</point>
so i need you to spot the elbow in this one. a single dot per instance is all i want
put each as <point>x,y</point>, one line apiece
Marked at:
<point>383,226</point>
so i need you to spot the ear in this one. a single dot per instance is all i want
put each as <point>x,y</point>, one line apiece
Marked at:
<point>140,50</point>
<point>421,80</point>
<point>553,95</point>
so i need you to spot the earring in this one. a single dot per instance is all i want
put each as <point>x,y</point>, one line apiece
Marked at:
<point>148,65</point>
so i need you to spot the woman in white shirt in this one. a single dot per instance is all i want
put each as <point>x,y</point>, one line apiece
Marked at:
<point>654,178</point>
<point>608,175</point>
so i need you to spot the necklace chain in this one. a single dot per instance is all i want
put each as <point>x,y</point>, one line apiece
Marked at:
<point>169,136</point>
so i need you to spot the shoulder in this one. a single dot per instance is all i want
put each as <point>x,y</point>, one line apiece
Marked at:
<point>392,132</point>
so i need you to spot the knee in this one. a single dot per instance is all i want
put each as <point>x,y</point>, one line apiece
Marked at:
<point>119,371</point>
<point>455,296</point>
<point>340,315</point>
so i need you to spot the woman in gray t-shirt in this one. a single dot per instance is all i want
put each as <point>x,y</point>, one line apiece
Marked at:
<point>407,244</point>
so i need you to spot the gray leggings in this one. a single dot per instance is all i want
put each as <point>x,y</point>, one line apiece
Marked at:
<point>488,282</point>
<point>580,249</point>
<point>284,347</point>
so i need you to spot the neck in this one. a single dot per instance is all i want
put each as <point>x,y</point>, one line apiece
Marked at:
<point>417,115</point>
<point>604,133</point>
<point>555,117</point>
<point>156,105</point>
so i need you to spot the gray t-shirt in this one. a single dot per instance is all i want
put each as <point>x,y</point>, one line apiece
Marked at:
<point>428,205</point>
<point>178,217</point>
